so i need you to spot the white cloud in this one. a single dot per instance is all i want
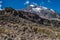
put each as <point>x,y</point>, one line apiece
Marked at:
<point>32,5</point>
<point>27,2</point>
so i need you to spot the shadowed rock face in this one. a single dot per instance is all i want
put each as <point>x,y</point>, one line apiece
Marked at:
<point>30,16</point>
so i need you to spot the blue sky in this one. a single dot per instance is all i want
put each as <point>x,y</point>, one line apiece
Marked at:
<point>20,4</point>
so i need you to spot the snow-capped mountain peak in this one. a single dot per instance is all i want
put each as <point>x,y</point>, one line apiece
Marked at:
<point>36,8</point>
<point>42,11</point>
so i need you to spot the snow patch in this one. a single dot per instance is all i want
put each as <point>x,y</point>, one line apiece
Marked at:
<point>36,9</point>
<point>52,10</point>
<point>45,8</point>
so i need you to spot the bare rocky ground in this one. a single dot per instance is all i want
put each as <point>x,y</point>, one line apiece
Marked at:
<point>15,28</point>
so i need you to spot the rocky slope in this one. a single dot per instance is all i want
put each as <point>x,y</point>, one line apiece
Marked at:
<point>23,25</point>
<point>16,28</point>
<point>34,17</point>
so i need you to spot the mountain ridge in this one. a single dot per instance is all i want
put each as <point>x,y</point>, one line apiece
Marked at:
<point>42,11</point>
<point>36,18</point>
<point>25,25</point>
